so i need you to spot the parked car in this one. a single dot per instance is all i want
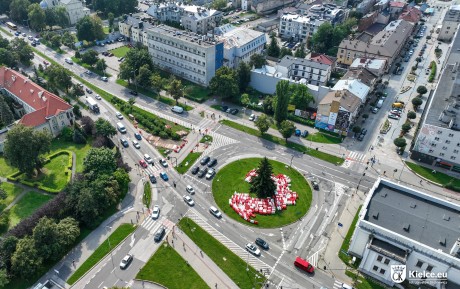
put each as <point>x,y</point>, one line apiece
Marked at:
<point>210,174</point>
<point>164,163</point>
<point>262,243</point>
<point>87,72</point>
<point>213,210</point>
<point>189,200</point>
<point>190,190</point>
<point>202,172</point>
<point>305,133</point>
<point>104,78</point>
<point>155,212</point>
<point>393,116</point>
<point>164,176</point>
<point>252,117</point>
<point>364,131</point>
<point>205,160</point>
<point>137,136</point>
<point>143,164</point>
<point>195,170</point>
<point>360,137</point>
<point>251,248</point>
<point>375,109</point>
<point>234,111</point>
<point>133,92</point>
<point>152,179</point>
<point>159,234</point>
<point>126,261</point>
<point>212,163</point>
<point>298,132</point>
<point>224,108</point>
<point>315,185</point>
<point>118,115</point>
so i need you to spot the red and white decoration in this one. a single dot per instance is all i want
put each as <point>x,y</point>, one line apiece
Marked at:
<point>247,207</point>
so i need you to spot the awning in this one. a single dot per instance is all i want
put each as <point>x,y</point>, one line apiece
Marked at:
<point>445,164</point>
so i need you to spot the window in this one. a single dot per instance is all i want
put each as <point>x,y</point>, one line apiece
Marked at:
<point>380,258</point>
<point>387,261</point>
<point>429,268</point>
<point>453,158</point>
<point>419,264</point>
<point>441,154</point>
<point>455,151</point>
<point>382,271</point>
<point>436,138</point>
<point>375,268</point>
<point>451,134</point>
<point>439,131</point>
<point>447,141</point>
<point>444,148</point>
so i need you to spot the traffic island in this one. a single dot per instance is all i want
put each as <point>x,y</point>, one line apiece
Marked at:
<point>231,182</point>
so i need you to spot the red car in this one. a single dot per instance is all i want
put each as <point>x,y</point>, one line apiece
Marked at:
<point>304,265</point>
<point>143,164</point>
<point>46,62</point>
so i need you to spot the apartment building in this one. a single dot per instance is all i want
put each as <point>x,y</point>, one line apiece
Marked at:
<point>185,54</point>
<point>75,8</point>
<point>135,28</point>
<point>313,71</point>
<point>192,18</point>
<point>438,140</point>
<point>298,27</point>
<point>385,45</point>
<point>402,233</point>
<point>450,24</point>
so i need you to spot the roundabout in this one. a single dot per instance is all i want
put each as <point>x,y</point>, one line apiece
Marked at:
<point>231,179</point>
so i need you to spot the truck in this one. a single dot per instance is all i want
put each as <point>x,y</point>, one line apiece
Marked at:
<point>92,104</point>
<point>379,103</point>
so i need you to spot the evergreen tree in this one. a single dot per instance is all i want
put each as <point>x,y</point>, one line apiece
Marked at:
<point>273,49</point>
<point>282,100</point>
<point>263,185</point>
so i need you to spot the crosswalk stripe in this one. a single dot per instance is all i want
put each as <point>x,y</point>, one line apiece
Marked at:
<point>337,284</point>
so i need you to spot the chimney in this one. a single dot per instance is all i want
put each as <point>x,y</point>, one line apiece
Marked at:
<point>455,248</point>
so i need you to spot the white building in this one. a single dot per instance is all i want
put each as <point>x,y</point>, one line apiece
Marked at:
<point>438,139</point>
<point>377,66</point>
<point>450,23</point>
<point>298,27</point>
<point>75,8</point>
<point>311,70</point>
<point>399,226</point>
<point>193,18</point>
<point>37,107</point>
<point>192,57</point>
<point>135,28</point>
<point>240,44</point>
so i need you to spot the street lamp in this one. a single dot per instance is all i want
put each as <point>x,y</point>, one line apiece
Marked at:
<point>110,247</point>
<point>135,81</point>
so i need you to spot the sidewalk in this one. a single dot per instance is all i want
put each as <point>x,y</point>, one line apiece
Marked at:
<point>201,263</point>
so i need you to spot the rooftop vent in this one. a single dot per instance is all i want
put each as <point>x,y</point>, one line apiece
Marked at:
<point>413,205</point>
<point>406,227</point>
<point>442,241</point>
<point>375,215</point>
<point>383,195</point>
<point>446,217</point>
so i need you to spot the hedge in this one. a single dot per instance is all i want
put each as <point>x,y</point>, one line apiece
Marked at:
<point>433,71</point>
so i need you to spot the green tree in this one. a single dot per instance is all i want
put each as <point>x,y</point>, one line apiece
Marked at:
<point>56,41</point>
<point>144,75</point>
<point>90,28</point>
<point>7,249</point>
<point>245,100</point>
<point>285,51</point>
<point>100,161</point>
<point>122,178</point>
<point>68,231</point>
<point>3,194</point>
<point>400,143</point>
<point>111,18</point>
<point>416,102</point>
<point>175,89</point>
<point>300,52</point>
<point>257,60</point>
<point>61,17</point>
<point>104,128</point>
<point>157,82</point>
<point>421,90</point>
<point>286,129</point>
<point>244,75</point>
<point>59,77</point>
<point>3,278</point>
<point>262,184</point>
<point>5,6</point>
<point>411,115</point>
<point>101,65</point>
<point>281,101</point>
<point>25,261</point>
<point>131,102</point>
<point>25,147</point>
<point>301,96</point>
<point>37,17</point>
<point>46,236</point>
<point>405,128</point>
<point>322,38</point>
<point>134,60</point>
<point>356,129</point>
<point>90,57</point>
<point>18,10</point>
<point>224,83</point>
<point>7,58</point>
<point>22,50</point>
<point>219,4</point>
<point>6,116</point>
<point>4,43</point>
<point>68,40</point>
<point>262,123</point>
<point>273,49</point>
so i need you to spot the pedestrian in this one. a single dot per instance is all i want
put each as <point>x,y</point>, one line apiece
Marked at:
<point>73,262</point>
<point>384,172</point>
<point>420,181</point>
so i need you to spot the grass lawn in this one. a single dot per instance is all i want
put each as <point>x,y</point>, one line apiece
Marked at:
<point>6,31</point>
<point>120,51</point>
<point>80,150</point>
<point>363,282</point>
<point>206,138</point>
<point>231,178</point>
<point>196,92</point>
<point>437,177</point>
<point>229,262</point>
<point>346,242</point>
<point>115,238</point>
<point>12,191</point>
<point>54,174</point>
<point>277,140</point>
<point>178,273</point>
<point>89,67</point>
<point>187,163</point>
<point>25,207</point>
<point>5,168</point>
<point>106,29</point>
<point>324,138</point>
<point>147,197</point>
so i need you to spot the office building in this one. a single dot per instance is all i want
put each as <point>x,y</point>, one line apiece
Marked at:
<point>450,24</point>
<point>135,28</point>
<point>298,27</point>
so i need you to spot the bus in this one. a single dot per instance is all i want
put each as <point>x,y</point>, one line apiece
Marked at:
<point>11,25</point>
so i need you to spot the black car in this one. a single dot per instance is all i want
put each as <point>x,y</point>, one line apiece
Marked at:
<point>124,142</point>
<point>212,163</point>
<point>89,90</point>
<point>133,92</point>
<point>195,170</point>
<point>202,173</point>
<point>304,133</point>
<point>364,131</point>
<point>262,243</point>
<point>360,137</point>
<point>234,111</point>
<point>205,160</point>
<point>315,185</point>
<point>152,178</point>
<point>159,234</point>
<point>224,108</point>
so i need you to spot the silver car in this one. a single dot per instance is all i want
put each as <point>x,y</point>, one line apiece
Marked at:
<point>126,261</point>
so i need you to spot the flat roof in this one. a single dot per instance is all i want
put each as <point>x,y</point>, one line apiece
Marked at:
<point>239,37</point>
<point>422,218</point>
<point>190,37</point>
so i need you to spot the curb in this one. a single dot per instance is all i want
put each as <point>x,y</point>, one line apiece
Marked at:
<point>427,180</point>
<point>151,282</point>
<point>90,269</point>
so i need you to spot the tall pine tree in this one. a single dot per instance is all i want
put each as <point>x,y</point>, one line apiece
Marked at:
<point>282,101</point>
<point>262,185</point>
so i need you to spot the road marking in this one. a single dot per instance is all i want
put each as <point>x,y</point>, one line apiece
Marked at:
<point>100,284</point>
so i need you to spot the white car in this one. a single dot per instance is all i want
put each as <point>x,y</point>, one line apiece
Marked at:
<point>68,60</point>
<point>148,159</point>
<point>251,248</point>
<point>126,261</point>
<point>210,174</point>
<point>215,212</point>
<point>119,115</point>
<point>189,200</point>
<point>190,189</point>
<point>98,97</point>
<point>252,117</point>
<point>155,212</point>
<point>164,163</point>
<point>136,144</point>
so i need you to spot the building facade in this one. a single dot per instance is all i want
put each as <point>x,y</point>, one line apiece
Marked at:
<point>450,23</point>
<point>399,226</point>
<point>313,72</point>
<point>187,55</point>
<point>135,28</point>
<point>298,27</point>
<point>75,8</point>
<point>37,107</point>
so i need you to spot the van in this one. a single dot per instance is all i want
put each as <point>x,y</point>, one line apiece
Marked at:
<point>303,265</point>
<point>177,109</point>
<point>379,103</point>
<point>121,128</point>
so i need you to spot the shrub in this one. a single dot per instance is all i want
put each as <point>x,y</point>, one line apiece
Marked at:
<point>175,136</point>
<point>163,134</point>
<point>67,133</point>
<point>4,221</point>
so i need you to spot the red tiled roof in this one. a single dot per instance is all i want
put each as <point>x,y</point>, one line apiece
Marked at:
<point>412,15</point>
<point>321,58</point>
<point>44,103</point>
<point>397,4</point>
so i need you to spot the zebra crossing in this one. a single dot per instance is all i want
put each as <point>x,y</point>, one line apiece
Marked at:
<point>207,125</point>
<point>337,284</point>
<point>243,254</point>
<point>152,225</point>
<point>355,156</point>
